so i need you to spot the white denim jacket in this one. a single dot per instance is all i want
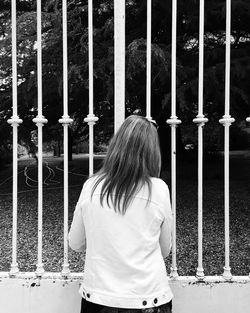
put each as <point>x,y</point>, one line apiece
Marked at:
<point>124,265</point>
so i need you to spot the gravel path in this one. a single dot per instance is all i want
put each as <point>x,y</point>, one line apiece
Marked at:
<point>213,220</point>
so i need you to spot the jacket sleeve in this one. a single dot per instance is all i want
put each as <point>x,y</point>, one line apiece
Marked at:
<point>166,227</point>
<point>77,236</point>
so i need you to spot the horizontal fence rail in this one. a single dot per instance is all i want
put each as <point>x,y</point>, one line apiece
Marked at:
<point>119,114</point>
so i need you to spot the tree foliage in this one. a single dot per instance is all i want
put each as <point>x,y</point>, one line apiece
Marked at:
<point>187,62</point>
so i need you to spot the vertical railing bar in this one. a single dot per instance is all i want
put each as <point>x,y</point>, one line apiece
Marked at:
<point>248,121</point>
<point>91,85</point>
<point>227,120</point>
<point>40,165</point>
<point>228,53</point>
<point>65,121</point>
<point>14,56</point>
<point>90,38</point>
<point>201,57</point>
<point>14,265</point>
<point>40,201</point>
<point>200,271</point>
<point>174,272</point>
<point>173,122</point>
<point>91,119</point>
<point>149,47</point>
<point>226,169</point>
<point>39,56</point>
<point>14,121</point>
<point>40,121</point>
<point>119,63</point>
<point>173,58</point>
<point>65,57</point>
<point>200,120</point>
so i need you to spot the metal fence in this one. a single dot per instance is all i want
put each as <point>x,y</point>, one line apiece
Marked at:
<point>91,119</point>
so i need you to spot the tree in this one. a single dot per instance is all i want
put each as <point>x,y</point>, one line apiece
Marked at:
<point>187,63</point>
<point>52,65</point>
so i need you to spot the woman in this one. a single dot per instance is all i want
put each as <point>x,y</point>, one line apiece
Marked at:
<point>123,220</point>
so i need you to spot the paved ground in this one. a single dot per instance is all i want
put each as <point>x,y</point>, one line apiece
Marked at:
<point>213,215</point>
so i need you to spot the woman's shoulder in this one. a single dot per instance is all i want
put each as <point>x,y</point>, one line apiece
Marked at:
<point>160,194</point>
<point>90,182</point>
<point>87,187</point>
<point>159,183</point>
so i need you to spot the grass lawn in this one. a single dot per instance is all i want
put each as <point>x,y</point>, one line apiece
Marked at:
<point>187,255</point>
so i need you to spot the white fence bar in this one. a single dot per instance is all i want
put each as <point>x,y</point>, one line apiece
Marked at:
<point>65,121</point>
<point>91,61</point>
<point>173,58</point>
<point>227,121</point>
<point>228,52</point>
<point>39,56</point>
<point>201,58</point>
<point>119,63</point>
<point>173,122</point>
<point>14,56</point>
<point>248,121</point>
<point>14,121</point>
<point>200,120</point>
<point>149,31</point>
<point>91,119</point>
<point>39,121</point>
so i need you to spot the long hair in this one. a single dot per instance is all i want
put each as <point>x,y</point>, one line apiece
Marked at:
<point>133,157</point>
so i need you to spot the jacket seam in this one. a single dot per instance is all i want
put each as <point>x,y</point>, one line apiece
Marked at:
<point>137,197</point>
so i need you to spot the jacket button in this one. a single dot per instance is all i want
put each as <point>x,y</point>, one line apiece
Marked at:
<point>155,300</point>
<point>88,295</point>
<point>144,302</point>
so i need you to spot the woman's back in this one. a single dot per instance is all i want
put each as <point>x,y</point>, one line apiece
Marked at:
<point>124,266</point>
<point>123,220</point>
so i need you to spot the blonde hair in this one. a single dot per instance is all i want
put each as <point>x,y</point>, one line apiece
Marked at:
<point>132,158</point>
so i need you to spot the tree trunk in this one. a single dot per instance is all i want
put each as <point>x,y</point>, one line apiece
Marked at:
<point>59,148</point>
